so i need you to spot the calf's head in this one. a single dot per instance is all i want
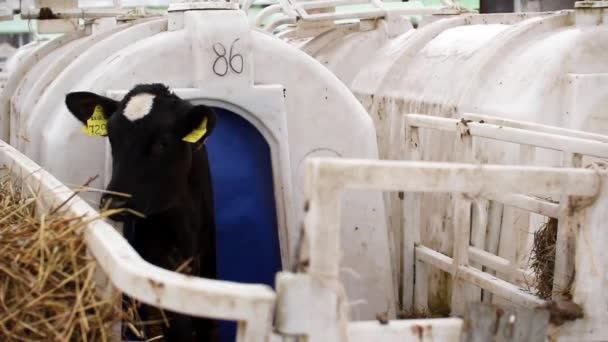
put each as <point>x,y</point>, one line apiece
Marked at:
<point>153,135</point>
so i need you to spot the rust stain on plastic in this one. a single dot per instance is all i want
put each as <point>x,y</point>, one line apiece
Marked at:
<point>158,288</point>
<point>418,330</point>
<point>157,285</point>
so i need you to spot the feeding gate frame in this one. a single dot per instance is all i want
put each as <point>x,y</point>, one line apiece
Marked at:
<point>323,318</point>
<point>416,257</point>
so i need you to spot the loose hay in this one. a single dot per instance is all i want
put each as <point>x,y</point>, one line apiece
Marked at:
<point>47,288</point>
<point>543,258</point>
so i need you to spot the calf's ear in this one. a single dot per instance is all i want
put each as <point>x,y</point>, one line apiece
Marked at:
<point>198,124</point>
<point>83,104</point>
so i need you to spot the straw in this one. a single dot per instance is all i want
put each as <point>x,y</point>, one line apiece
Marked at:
<point>47,284</point>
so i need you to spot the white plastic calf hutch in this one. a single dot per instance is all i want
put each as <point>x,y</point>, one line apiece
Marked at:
<point>276,107</point>
<point>527,66</point>
<point>540,67</point>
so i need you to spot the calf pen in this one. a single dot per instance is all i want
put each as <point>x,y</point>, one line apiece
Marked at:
<point>511,264</point>
<point>577,205</point>
<point>328,178</point>
<point>311,303</point>
<point>576,288</point>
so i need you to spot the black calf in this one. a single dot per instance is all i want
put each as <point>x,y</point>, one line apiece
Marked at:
<point>160,160</point>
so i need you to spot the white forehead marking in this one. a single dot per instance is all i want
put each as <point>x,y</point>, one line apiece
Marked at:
<point>138,106</point>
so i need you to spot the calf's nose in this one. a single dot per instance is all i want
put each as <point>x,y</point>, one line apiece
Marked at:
<point>109,202</point>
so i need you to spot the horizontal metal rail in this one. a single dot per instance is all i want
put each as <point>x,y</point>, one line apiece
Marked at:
<point>500,265</point>
<point>75,13</point>
<point>481,180</point>
<point>550,141</point>
<point>431,122</point>
<point>373,13</point>
<point>376,11</point>
<point>499,287</point>
<point>331,3</point>
<point>528,203</point>
<point>534,126</point>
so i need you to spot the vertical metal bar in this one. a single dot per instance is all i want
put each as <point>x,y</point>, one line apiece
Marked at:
<point>566,235</point>
<point>527,157</point>
<point>398,150</point>
<point>493,236</point>
<point>462,293</point>
<point>411,235</point>
<point>515,226</point>
<point>421,287</point>
<point>479,228</point>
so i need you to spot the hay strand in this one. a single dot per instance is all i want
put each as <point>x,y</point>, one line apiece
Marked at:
<point>543,258</point>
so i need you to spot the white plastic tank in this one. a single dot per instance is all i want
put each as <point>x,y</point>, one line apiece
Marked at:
<point>290,101</point>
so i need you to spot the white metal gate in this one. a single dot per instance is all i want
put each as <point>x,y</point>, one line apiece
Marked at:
<point>581,211</point>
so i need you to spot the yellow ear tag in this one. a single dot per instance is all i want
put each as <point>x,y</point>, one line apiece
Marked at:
<point>97,124</point>
<point>197,133</point>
